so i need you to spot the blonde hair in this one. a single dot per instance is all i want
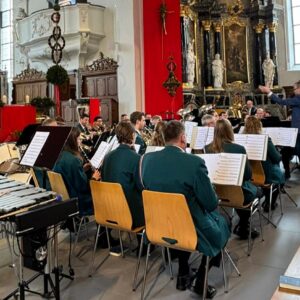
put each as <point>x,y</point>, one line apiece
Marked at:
<point>223,134</point>
<point>252,125</point>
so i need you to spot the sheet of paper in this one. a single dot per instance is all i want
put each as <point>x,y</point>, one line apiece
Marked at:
<point>282,136</point>
<point>99,155</point>
<point>210,135</point>
<point>225,168</point>
<point>189,129</point>
<point>137,148</point>
<point>199,136</point>
<point>34,148</point>
<point>255,145</point>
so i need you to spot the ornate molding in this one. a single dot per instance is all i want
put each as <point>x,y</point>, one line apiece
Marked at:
<point>273,26</point>
<point>102,64</point>
<point>206,24</point>
<point>259,27</point>
<point>217,26</point>
<point>238,87</point>
<point>236,8</point>
<point>41,25</point>
<point>30,74</point>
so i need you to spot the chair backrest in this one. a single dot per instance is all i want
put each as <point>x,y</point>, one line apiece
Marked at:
<point>230,195</point>
<point>22,177</point>
<point>168,220</point>
<point>4,152</point>
<point>58,185</point>
<point>258,174</point>
<point>34,178</point>
<point>13,150</point>
<point>110,205</point>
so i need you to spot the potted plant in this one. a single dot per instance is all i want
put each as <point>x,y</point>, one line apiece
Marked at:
<point>42,105</point>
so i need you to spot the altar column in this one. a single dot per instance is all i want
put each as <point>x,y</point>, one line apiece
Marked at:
<point>258,73</point>
<point>273,51</point>
<point>207,54</point>
<point>217,27</point>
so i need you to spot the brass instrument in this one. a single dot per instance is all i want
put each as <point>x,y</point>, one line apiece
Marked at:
<point>146,134</point>
<point>237,108</point>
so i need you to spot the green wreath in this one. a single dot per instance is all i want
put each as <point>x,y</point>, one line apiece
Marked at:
<point>57,75</point>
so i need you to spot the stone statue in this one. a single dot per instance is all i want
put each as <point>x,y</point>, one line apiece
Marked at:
<point>217,71</point>
<point>191,60</point>
<point>269,71</point>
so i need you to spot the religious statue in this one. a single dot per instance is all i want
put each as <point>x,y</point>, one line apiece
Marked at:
<point>191,60</point>
<point>269,71</point>
<point>217,71</point>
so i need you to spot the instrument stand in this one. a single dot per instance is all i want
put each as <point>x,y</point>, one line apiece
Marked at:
<point>283,191</point>
<point>23,285</point>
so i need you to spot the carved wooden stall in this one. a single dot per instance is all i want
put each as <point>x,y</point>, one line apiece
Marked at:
<point>29,84</point>
<point>99,80</point>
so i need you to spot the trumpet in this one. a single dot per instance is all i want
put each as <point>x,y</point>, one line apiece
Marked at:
<point>146,134</point>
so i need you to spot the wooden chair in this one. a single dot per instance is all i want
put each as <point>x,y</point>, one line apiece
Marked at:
<point>58,185</point>
<point>233,197</point>
<point>258,179</point>
<point>169,224</point>
<point>112,211</point>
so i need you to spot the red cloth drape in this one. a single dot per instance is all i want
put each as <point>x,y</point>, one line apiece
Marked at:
<point>94,108</point>
<point>15,118</point>
<point>57,99</point>
<point>157,49</point>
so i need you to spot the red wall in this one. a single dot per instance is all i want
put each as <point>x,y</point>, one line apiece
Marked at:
<point>157,49</point>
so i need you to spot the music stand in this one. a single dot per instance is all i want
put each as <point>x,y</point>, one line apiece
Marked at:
<point>31,221</point>
<point>42,153</point>
<point>27,134</point>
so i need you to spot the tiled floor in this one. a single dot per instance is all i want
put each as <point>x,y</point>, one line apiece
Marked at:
<point>260,271</point>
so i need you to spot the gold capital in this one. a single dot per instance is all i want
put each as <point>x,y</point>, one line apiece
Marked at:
<point>259,27</point>
<point>272,27</point>
<point>217,26</point>
<point>206,24</point>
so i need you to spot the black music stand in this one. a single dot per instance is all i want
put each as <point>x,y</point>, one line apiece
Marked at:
<point>31,221</point>
<point>27,134</point>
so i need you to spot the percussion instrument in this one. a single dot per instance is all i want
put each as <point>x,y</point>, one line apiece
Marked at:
<point>15,195</point>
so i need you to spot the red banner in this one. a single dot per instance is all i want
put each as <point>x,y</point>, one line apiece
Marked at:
<point>57,99</point>
<point>94,108</point>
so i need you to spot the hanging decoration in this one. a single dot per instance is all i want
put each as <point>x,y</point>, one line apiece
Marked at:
<point>172,83</point>
<point>56,74</point>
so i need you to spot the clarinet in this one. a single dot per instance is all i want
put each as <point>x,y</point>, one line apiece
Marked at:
<point>86,158</point>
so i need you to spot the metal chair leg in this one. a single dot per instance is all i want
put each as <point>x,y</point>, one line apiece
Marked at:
<point>108,239</point>
<point>170,264</point>
<point>250,229</point>
<point>205,278</point>
<point>163,256</point>
<point>289,196</point>
<point>231,261</point>
<point>270,201</point>
<point>95,247</point>
<point>121,244</point>
<point>280,200</point>
<point>224,272</point>
<point>145,272</point>
<point>134,285</point>
<point>260,222</point>
<point>77,235</point>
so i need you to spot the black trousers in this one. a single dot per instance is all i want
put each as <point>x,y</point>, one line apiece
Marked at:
<point>183,258</point>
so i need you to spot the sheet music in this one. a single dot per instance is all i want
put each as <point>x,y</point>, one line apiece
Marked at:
<point>34,148</point>
<point>99,155</point>
<point>282,136</point>
<point>199,136</point>
<point>137,147</point>
<point>256,145</point>
<point>225,168</point>
<point>210,135</point>
<point>154,148</point>
<point>189,129</point>
<point>241,129</point>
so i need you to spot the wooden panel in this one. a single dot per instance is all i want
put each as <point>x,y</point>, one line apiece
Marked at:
<point>100,86</point>
<point>90,88</point>
<point>112,85</point>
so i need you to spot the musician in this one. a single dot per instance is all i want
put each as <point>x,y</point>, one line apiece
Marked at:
<point>121,166</point>
<point>154,120</point>
<point>70,166</point>
<point>178,172</point>
<point>98,124</point>
<point>260,113</point>
<point>158,138</point>
<point>148,118</point>
<point>83,123</point>
<point>137,119</point>
<point>223,115</point>
<point>208,121</point>
<point>294,103</point>
<point>124,117</point>
<point>49,122</point>
<point>271,166</point>
<point>223,142</point>
<point>60,121</point>
<point>251,108</point>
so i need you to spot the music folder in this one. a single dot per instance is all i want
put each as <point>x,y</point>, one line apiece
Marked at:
<point>45,146</point>
<point>225,168</point>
